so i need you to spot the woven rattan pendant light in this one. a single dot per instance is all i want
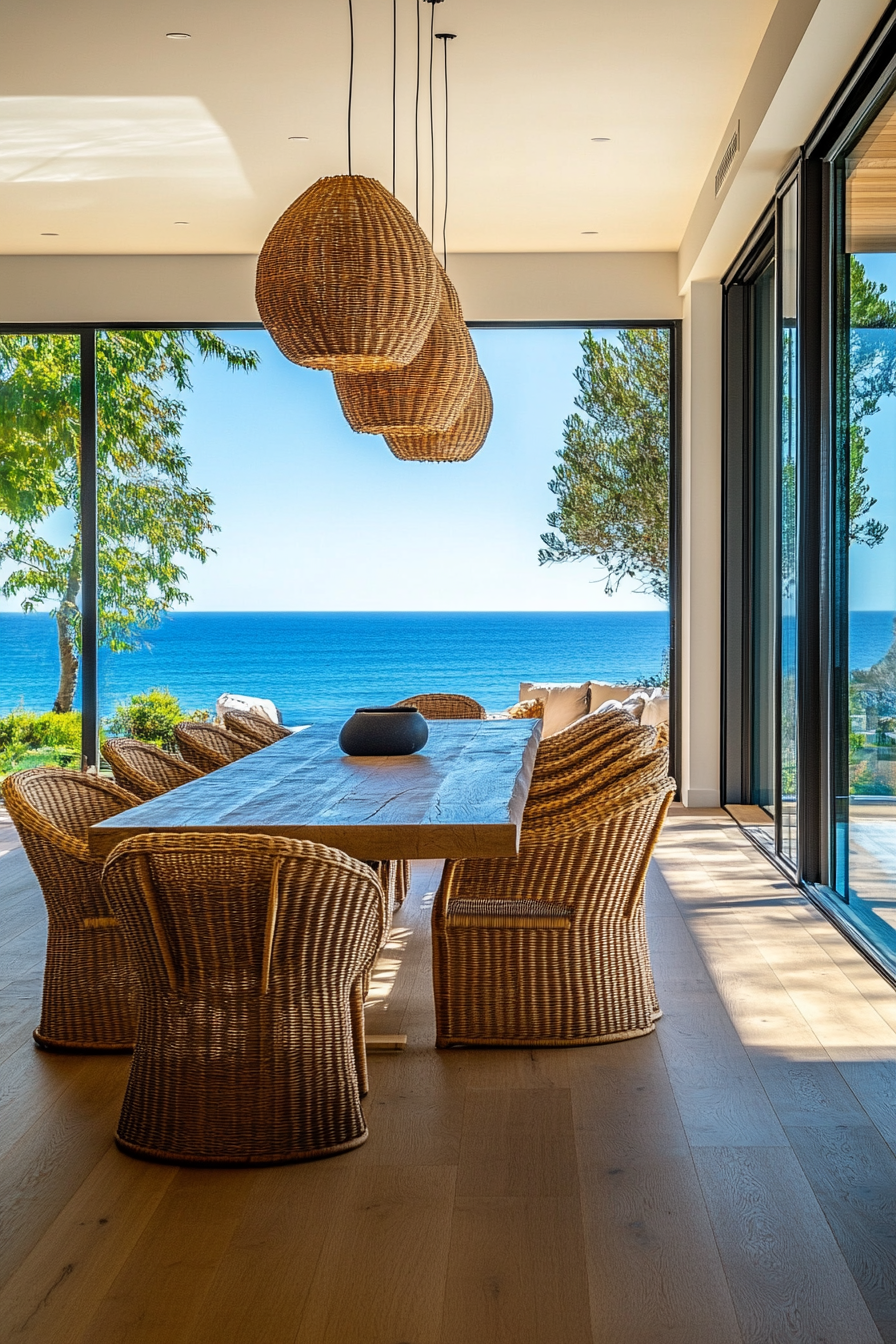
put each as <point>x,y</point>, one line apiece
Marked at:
<point>459,443</point>
<point>427,395</point>
<point>346,279</point>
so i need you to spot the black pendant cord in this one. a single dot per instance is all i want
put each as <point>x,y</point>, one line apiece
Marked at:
<point>446,38</point>
<point>394,77</point>
<point>351,76</point>
<point>432,132</point>
<point>417,127</point>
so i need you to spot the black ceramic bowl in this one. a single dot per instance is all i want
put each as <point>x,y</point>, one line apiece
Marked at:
<point>386,730</point>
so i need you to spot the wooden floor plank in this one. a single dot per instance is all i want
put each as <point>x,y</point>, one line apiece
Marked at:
<point>517,1142</point>
<point>517,1273</point>
<point>654,1269</point>
<point>381,1274</point>
<point>261,1284</point>
<point>58,1287</point>
<point>787,1276</point>
<point>159,1291</point>
<point>853,1175</point>
<point>57,1152</point>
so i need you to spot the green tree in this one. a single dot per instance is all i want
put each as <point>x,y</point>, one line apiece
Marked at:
<point>150,515</point>
<point>872,376</point>
<point>612,481</point>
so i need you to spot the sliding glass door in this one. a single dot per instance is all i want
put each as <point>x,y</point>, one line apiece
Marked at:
<point>864,831</point>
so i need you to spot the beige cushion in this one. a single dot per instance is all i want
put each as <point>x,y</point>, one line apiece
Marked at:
<point>656,711</point>
<point>601,691</point>
<point>563,704</point>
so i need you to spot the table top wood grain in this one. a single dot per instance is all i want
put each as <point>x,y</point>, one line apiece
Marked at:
<point>462,796</point>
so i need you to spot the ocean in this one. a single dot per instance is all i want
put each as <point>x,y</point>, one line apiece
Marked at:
<point>323,665</point>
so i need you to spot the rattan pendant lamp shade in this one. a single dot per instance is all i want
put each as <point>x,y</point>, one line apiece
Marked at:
<point>425,396</point>
<point>459,443</point>
<point>347,280</point>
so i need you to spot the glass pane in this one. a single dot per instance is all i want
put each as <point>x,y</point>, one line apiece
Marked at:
<point>764,579</point>
<point>867,526</point>
<point>40,574</point>
<point>787,841</point>
<point>336,575</point>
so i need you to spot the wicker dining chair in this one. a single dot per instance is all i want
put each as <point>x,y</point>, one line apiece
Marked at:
<point>208,747</point>
<point>90,992</point>
<point>252,952</point>
<point>439,705</point>
<point>145,770</point>
<point>258,730</point>
<point>550,948</point>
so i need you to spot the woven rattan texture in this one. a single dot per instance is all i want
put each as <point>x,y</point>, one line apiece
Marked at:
<point>347,280</point>
<point>519,974</point>
<point>458,443</point>
<point>145,770</point>
<point>90,991</point>
<point>440,705</point>
<point>260,731</point>
<point>426,396</point>
<point>207,747</point>
<point>251,952</point>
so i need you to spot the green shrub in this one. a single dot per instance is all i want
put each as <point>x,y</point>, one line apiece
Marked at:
<point>28,739</point>
<point>151,717</point>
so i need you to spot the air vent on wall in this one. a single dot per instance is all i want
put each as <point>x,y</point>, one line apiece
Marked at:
<point>731,152</point>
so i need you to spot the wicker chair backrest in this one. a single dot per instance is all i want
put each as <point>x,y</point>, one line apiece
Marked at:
<point>587,757</point>
<point>258,730</point>
<point>440,705</point>
<point>61,805</point>
<point>208,747</point>
<point>145,770</point>
<point>235,914</point>
<point>592,799</point>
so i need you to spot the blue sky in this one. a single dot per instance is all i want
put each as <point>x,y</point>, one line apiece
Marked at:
<point>316,518</point>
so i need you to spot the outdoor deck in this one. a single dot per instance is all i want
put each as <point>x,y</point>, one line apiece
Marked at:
<point>731,1178</point>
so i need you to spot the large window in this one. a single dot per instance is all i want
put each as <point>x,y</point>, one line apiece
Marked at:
<point>245,540</point>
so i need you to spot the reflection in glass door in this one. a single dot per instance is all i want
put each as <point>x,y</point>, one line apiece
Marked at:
<point>788,764</point>
<point>865,838</point>
<point>774,356</point>
<point>763,582</point>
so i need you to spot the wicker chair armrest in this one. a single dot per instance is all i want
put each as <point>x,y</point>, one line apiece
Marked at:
<point>493,912</point>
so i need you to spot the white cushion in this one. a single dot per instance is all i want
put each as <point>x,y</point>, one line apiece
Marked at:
<point>656,711</point>
<point>601,691</point>
<point>563,703</point>
<point>266,708</point>
<point>636,703</point>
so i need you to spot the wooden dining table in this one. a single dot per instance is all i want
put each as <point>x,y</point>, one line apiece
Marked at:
<point>462,796</point>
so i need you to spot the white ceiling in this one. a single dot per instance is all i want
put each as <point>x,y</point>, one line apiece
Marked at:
<point>110,132</point>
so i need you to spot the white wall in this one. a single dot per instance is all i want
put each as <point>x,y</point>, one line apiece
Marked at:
<point>517,287</point>
<point>701,543</point>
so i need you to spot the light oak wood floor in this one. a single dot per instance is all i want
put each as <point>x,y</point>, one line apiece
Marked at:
<point>731,1178</point>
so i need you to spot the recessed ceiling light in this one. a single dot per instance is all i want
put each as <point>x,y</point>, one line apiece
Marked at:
<point>585,232</point>
<point>181,221</point>
<point>179,37</point>
<point>49,235</point>
<point>297,137</point>
<point>600,139</point>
